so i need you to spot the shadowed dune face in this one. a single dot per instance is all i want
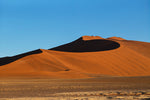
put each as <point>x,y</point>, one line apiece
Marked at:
<point>88,46</point>
<point>7,60</point>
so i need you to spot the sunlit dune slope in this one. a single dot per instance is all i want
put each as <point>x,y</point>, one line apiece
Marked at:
<point>88,56</point>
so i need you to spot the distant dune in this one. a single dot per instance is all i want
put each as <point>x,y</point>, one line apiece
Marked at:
<point>88,56</point>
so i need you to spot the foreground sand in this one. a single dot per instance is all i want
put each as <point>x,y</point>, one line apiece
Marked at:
<point>102,88</point>
<point>141,97</point>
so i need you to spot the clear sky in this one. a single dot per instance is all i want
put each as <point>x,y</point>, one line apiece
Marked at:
<point>27,25</point>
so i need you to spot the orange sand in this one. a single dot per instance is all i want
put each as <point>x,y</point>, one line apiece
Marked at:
<point>129,58</point>
<point>91,37</point>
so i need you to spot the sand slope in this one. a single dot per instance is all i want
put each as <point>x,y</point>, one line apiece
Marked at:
<point>88,56</point>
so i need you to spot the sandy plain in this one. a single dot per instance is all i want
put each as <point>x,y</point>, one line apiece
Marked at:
<point>101,88</point>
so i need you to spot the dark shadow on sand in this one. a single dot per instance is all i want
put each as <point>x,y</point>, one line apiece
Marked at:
<point>88,46</point>
<point>7,60</point>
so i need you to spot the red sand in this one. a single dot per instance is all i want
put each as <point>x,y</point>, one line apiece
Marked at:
<point>115,38</point>
<point>131,58</point>
<point>91,37</point>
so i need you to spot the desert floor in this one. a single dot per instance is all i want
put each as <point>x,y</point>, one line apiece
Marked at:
<point>101,88</point>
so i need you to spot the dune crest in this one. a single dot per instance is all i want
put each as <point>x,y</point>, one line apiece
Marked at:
<point>83,58</point>
<point>86,38</point>
<point>116,38</point>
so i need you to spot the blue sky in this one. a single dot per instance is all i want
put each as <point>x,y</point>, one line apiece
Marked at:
<point>27,25</point>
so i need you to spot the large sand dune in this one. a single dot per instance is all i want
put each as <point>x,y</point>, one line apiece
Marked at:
<point>88,56</point>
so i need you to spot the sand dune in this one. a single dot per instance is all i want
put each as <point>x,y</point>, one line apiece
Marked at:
<point>88,56</point>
